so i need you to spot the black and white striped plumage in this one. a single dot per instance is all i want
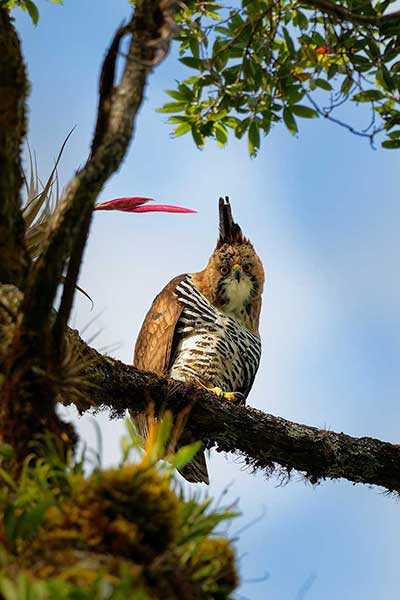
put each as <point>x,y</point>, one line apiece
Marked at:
<point>203,328</point>
<point>212,348</point>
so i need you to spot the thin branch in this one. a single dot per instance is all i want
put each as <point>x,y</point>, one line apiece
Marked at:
<point>326,114</point>
<point>263,440</point>
<point>344,14</point>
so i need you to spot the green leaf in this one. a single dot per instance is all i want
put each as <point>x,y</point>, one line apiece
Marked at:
<point>346,86</point>
<point>368,96</point>
<point>182,129</point>
<point>242,128</point>
<point>32,10</point>
<point>174,94</point>
<point>221,134</point>
<point>184,455</point>
<point>391,144</point>
<point>192,62</point>
<point>6,451</point>
<point>304,111</point>
<point>300,19</point>
<point>8,589</point>
<point>218,115</point>
<point>395,134</point>
<point>231,122</point>
<point>289,120</point>
<point>172,107</point>
<point>198,137</point>
<point>254,138</point>
<point>323,84</point>
<point>289,42</point>
<point>374,51</point>
<point>7,478</point>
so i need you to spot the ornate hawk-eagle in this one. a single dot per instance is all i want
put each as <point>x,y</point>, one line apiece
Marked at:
<point>203,327</point>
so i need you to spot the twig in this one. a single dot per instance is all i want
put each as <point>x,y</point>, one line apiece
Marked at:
<point>342,13</point>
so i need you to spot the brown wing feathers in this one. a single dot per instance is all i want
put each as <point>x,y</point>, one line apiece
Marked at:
<point>154,345</point>
<point>154,350</point>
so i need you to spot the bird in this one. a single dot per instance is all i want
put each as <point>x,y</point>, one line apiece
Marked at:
<point>203,327</point>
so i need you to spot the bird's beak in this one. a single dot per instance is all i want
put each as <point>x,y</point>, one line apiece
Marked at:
<point>237,272</point>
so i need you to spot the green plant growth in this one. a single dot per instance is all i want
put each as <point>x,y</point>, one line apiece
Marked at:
<point>116,533</point>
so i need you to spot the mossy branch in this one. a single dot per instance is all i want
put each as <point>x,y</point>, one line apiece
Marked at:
<point>264,440</point>
<point>36,353</point>
<point>13,92</point>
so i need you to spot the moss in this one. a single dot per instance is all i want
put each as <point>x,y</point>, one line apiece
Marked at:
<point>144,497</point>
<point>213,567</point>
<point>123,528</point>
<point>130,512</point>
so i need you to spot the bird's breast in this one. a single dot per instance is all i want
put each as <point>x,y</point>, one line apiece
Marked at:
<point>212,348</point>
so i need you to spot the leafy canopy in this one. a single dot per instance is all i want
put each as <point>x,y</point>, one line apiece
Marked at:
<point>263,62</point>
<point>257,63</point>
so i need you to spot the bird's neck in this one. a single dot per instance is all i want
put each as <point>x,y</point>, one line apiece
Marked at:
<point>235,300</point>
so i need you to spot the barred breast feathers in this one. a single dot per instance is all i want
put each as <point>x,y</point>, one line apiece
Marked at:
<point>213,348</point>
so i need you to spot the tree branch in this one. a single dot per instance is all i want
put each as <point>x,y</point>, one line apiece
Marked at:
<point>35,368</point>
<point>344,14</point>
<point>262,439</point>
<point>13,92</point>
<point>118,107</point>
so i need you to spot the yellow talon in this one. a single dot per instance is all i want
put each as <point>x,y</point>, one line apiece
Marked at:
<point>221,394</point>
<point>229,395</point>
<point>216,390</point>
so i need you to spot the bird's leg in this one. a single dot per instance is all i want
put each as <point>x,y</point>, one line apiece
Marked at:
<point>236,397</point>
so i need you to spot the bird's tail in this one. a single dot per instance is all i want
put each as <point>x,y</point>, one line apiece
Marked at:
<point>196,471</point>
<point>229,231</point>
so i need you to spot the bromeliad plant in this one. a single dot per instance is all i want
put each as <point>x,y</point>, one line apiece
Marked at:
<point>128,528</point>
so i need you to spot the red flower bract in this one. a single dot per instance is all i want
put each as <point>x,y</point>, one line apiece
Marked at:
<point>323,50</point>
<point>135,204</point>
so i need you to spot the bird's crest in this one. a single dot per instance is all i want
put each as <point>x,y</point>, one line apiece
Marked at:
<point>229,231</point>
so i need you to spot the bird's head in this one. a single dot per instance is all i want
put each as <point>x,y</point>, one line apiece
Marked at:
<point>234,277</point>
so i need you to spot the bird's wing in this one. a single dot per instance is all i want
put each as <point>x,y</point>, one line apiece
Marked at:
<point>154,351</point>
<point>155,343</point>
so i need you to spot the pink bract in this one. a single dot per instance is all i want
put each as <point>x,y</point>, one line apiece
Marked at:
<point>135,204</point>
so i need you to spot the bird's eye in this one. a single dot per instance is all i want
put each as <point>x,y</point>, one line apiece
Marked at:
<point>246,268</point>
<point>224,270</point>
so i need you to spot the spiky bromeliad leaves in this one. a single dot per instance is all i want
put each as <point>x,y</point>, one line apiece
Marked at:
<point>203,327</point>
<point>117,533</point>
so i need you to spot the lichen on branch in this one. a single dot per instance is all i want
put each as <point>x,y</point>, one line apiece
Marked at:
<point>264,441</point>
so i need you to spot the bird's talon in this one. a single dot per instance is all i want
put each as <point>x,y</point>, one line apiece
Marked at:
<point>231,396</point>
<point>236,397</point>
<point>217,391</point>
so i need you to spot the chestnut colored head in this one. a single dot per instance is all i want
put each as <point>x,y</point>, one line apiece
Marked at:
<point>233,280</point>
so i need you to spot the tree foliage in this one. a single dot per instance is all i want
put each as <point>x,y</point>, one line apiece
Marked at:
<point>265,62</point>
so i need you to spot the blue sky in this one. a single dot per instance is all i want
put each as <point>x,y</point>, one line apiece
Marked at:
<point>322,211</point>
